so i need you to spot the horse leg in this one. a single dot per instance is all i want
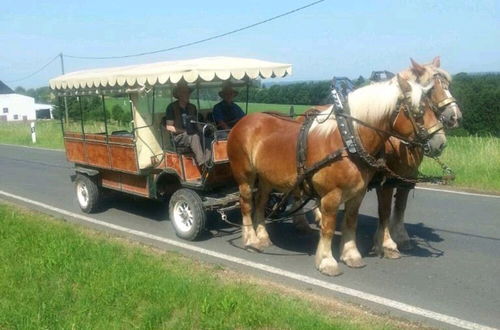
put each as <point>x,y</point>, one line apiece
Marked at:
<point>397,226</point>
<point>383,243</point>
<point>350,253</point>
<point>261,199</point>
<point>325,262</point>
<point>250,240</point>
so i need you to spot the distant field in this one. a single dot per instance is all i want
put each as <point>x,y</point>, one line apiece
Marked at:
<point>475,160</point>
<point>60,276</point>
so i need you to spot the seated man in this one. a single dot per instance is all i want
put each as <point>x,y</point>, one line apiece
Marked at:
<point>178,121</point>
<point>226,113</point>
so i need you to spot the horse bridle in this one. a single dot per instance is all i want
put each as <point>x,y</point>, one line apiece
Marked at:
<point>422,134</point>
<point>448,101</point>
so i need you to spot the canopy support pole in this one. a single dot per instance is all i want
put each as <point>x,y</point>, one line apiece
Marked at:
<point>81,116</point>
<point>105,117</point>
<point>197,98</point>
<point>246,105</point>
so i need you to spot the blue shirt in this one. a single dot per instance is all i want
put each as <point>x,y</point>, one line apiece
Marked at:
<point>228,113</point>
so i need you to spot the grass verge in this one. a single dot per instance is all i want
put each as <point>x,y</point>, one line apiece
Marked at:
<point>475,161</point>
<point>55,276</point>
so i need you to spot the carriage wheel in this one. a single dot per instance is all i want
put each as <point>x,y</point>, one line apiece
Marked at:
<point>87,193</point>
<point>186,214</point>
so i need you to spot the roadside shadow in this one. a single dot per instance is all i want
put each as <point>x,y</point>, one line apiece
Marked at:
<point>285,236</point>
<point>144,207</point>
<point>422,239</point>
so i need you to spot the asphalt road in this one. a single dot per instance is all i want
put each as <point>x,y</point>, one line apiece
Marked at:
<point>454,268</point>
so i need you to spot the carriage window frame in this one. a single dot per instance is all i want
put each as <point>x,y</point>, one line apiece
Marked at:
<point>66,127</point>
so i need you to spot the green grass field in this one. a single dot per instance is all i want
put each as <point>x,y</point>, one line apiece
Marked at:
<point>475,160</point>
<point>60,276</point>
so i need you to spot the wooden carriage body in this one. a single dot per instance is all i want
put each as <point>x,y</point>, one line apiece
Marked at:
<point>115,158</point>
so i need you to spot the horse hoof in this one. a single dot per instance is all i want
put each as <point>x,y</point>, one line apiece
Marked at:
<point>354,263</point>
<point>329,268</point>
<point>391,253</point>
<point>265,243</point>
<point>253,248</point>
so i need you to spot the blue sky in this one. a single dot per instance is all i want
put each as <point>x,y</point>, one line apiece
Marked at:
<point>342,38</point>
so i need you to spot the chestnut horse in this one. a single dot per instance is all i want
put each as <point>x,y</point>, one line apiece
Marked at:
<point>262,153</point>
<point>404,160</point>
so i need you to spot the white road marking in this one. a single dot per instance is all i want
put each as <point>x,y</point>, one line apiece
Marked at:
<point>457,192</point>
<point>270,269</point>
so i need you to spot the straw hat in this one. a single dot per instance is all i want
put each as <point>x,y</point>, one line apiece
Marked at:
<point>179,87</point>
<point>227,89</point>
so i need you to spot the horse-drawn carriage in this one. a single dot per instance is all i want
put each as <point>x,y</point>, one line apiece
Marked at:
<point>330,155</point>
<point>138,157</point>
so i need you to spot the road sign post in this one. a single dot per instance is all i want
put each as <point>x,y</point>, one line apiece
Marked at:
<point>33,132</point>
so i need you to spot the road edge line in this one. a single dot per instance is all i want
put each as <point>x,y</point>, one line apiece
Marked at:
<point>457,192</point>
<point>270,269</point>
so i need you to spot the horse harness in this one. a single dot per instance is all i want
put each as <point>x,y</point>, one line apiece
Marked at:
<point>352,144</point>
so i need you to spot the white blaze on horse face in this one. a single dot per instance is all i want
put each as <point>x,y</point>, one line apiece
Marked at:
<point>455,108</point>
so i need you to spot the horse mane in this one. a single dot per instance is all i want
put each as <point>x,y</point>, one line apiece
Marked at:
<point>370,104</point>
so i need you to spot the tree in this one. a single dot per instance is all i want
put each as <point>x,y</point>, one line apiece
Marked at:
<point>20,90</point>
<point>117,113</point>
<point>361,81</point>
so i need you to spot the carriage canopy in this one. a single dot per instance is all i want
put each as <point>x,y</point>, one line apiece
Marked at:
<point>170,72</point>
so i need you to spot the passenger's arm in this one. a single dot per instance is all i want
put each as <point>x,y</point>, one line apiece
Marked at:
<point>171,128</point>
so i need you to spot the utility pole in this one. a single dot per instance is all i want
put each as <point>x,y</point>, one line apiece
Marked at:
<point>65,101</point>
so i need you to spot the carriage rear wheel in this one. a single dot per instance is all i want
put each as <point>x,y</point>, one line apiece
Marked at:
<point>87,193</point>
<point>186,214</point>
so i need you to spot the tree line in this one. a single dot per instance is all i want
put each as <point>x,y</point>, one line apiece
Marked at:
<point>478,96</point>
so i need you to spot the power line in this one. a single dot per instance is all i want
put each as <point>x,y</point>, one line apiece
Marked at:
<point>198,41</point>
<point>34,73</point>
<point>171,48</point>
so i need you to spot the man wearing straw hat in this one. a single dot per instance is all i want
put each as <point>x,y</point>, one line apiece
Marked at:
<point>227,113</point>
<point>178,121</point>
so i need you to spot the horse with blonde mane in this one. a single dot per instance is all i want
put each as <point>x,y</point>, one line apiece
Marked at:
<point>261,151</point>
<point>404,160</point>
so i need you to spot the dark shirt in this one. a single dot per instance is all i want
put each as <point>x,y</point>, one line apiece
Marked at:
<point>175,113</point>
<point>228,113</point>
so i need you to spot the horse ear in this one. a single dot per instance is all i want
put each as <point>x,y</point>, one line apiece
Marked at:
<point>436,61</point>
<point>417,68</point>
<point>405,86</point>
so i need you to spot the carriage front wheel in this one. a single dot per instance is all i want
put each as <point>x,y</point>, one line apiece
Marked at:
<point>186,214</point>
<point>87,193</point>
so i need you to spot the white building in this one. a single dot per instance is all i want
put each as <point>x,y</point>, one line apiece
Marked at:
<point>20,107</point>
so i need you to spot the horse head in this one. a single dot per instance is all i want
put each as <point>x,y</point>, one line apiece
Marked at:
<point>443,103</point>
<point>415,118</point>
